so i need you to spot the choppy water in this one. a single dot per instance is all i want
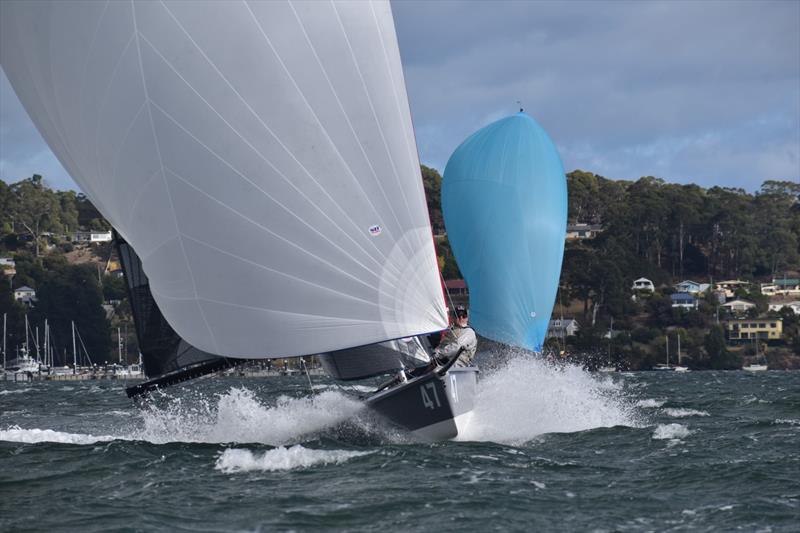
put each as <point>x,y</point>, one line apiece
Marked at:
<point>550,450</point>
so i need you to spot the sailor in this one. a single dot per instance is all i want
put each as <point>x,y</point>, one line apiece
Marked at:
<point>460,341</point>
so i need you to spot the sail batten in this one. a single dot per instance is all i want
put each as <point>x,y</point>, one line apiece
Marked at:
<point>258,156</point>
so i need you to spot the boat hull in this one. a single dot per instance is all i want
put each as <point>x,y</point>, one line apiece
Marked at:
<point>431,407</point>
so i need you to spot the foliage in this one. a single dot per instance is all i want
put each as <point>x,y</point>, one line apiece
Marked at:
<point>72,293</point>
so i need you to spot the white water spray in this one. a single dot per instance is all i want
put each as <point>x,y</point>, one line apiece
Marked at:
<point>527,397</point>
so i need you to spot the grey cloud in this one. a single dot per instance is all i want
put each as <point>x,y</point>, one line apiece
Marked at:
<point>617,85</point>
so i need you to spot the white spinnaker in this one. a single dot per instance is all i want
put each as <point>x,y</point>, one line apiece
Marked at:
<point>259,157</point>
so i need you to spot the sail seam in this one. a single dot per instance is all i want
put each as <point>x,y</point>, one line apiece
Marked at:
<point>85,76</point>
<point>244,260</point>
<point>102,106</point>
<point>164,177</point>
<point>347,118</point>
<point>412,153</point>
<point>288,152</point>
<point>316,118</point>
<point>115,159</point>
<point>300,248</point>
<point>372,109</point>
<point>248,180</point>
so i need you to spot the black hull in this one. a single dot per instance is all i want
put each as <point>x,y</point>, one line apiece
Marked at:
<point>432,407</point>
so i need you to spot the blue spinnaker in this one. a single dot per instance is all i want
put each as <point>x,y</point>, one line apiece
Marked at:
<point>504,198</point>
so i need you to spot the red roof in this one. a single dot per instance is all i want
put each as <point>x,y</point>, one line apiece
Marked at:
<point>455,284</point>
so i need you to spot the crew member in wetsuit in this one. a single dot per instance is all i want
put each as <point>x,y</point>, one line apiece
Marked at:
<point>460,341</point>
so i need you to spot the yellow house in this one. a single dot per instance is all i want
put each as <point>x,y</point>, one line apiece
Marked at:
<point>746,329</point>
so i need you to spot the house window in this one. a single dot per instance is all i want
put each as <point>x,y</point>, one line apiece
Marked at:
<point>744,335</point>
<point>773,325</point>
<point>762,325</point>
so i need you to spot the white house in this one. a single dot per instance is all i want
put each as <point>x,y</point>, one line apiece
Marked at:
<point>562,327</point>
<point>730,286</point>
<point>91,236</point>
<point>739,306</point>
<point>7,262</point>
<point>794,306</point>
<point>643,284</point>
<point>581,231</point>
<point>785,286</point>
<point>692,287</point>
<point>25,295</point>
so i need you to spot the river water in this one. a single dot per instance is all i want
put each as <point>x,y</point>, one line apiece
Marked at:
<point>549,449</point>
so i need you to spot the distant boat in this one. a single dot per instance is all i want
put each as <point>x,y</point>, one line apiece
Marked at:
<point>760,365</point>
<point>679,367</point>
<point>673,368</point>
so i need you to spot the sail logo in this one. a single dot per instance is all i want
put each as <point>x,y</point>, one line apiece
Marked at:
<point>375,230</point>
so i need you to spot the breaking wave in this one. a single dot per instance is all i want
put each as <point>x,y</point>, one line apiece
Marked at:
<point>527,397</point>
<point>15,391</point>
<point>281,458</point>
<point>670,431</point>
<point>35,436</point>
<point>650,403</point>
<point>235,416</point>
<point>682,413</point>
<point>239,416</point>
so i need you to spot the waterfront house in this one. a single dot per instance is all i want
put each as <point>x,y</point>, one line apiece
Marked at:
<point>456,287</point>
<point>7,262</point>
<point>580,231</point>
<point>684,300</point>
<point>643,284</point>
<point>730,286</point>
<point>692,287</point>
<point>784,286</point>
<point>739,331</point>
<point>25,295</point>
<point>562,327</point>
<point>91,236</point>
<point>777,306</point>
<point>739,306</point>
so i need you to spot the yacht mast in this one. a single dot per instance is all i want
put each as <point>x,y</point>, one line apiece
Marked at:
<point>74,350</point>
<point>27,351</point>
<point>119,345</point>
<point>4,340</point>
<point>679,349</point>
<point>47,345</point>
<point>667,349</point>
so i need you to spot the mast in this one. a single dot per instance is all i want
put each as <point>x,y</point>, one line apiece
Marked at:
<point>4,340</point>
<point>667,338</point>
<point>27,351</point>
<point>46,344</point>
<point>679,349</point>
<point>38,355</point>
<point>74,350</point>
<point>119,345</point>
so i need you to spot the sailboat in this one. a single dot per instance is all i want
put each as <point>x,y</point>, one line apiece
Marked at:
<point>679,367</point>
<point>761,362</point>
<point>664,366</point>
<point>258,163</point>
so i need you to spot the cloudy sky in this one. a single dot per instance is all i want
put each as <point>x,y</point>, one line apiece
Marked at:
<point>704,92</point>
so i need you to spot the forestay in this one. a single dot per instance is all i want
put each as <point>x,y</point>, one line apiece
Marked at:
<point>258,156</point>
<point>504,200</point>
